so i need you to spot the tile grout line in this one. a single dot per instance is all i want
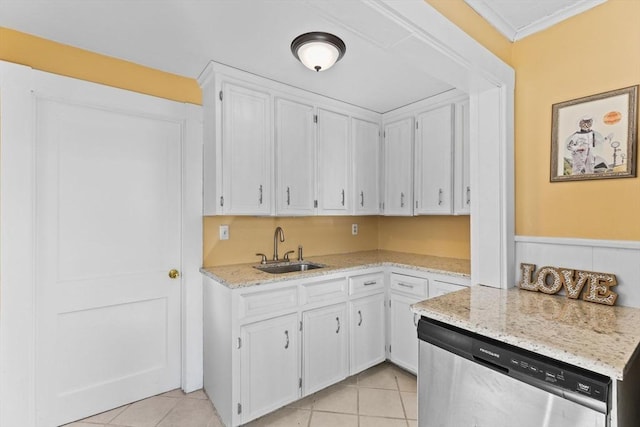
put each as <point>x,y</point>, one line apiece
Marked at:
<point>404,410</point>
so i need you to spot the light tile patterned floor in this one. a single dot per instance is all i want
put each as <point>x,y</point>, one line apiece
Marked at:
<point>383,396</point>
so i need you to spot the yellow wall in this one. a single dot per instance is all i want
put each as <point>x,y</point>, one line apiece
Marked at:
<point>317,235</point>
<point>46,55</point>
<point>593,52</point>
<point>446,236</point>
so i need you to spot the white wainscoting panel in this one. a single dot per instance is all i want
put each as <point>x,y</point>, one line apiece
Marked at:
<point>621,258</point>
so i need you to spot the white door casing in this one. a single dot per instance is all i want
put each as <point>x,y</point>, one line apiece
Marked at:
<point>102,179</point>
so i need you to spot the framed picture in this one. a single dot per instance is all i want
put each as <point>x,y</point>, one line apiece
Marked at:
<point>595,137</point>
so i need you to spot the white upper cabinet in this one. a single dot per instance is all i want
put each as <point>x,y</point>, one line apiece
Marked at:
<point>295,158</point>
<point>462,179</point>
<point>247,151</point>
<point>398,167</point>
<point>365,137</point>
<point>434,162</point>
<point>334,159</point>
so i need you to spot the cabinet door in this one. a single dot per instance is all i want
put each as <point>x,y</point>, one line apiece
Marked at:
<point>434,167</point>
<point>295,158</point>
<point>367,332</point>
<point>324,347</point>
<point>246,151</point>
<point>398,167</point>
<point>333,163</point>
<point>269,365</point>
<point>462,179</point>
<point>366,166</point>
<point>403,332</point>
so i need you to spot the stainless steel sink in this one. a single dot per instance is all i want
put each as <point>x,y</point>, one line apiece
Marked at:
<point>287,267</point>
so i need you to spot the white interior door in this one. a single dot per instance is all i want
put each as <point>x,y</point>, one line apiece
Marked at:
<point>108,220</point>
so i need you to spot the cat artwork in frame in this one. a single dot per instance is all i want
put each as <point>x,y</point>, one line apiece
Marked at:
<point>595,137</point>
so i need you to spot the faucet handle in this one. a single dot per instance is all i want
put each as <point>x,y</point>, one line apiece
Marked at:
<point>264,258</point>
<point>286,255</point>
<point>300,253</point>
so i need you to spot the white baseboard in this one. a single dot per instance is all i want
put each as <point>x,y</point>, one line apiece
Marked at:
<point>619,257</point>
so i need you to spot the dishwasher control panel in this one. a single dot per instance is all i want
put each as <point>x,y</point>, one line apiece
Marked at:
<point>570,378</point>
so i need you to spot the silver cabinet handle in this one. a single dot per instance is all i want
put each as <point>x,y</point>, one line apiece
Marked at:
<point>343,197</point>
<point>362,198</point>
<point>372,282</point>
<point>415,319</point>
<point>468,194</point>
<point>288,196</point>
<point>402,200</point>
<point>360,314</point>
<point>286,334</point>
<point>338,320</point>
<point>439,196</point>
<point>260,194</point>
<point>404,285</point>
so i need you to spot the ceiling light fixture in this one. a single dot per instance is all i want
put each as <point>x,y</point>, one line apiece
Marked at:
<point>318,51</point>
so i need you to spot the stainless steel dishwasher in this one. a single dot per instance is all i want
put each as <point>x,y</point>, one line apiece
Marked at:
<point>467,380</point>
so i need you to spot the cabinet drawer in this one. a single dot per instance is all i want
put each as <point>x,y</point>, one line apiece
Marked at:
<point>438,287</point>
<point>366,283</point>
<point>409,284</point>
<point>257,303</point>
<point>327,290</point>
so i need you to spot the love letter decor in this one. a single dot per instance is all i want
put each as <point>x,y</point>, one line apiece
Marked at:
<point>551,280</point>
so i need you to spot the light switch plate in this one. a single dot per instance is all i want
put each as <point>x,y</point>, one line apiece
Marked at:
<point>224,232</point>
<point>354,229</point>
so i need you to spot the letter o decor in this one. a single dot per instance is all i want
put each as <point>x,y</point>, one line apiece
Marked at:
<point>598,289</point>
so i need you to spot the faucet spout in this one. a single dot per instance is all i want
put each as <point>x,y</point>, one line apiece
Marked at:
<point>278,234</point>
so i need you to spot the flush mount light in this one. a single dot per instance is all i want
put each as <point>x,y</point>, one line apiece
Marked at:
<point>318,51</point>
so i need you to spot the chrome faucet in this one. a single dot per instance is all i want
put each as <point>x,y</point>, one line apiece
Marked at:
<point>278,234</point>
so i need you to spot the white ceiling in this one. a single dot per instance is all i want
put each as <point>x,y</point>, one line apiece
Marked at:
<point>519,18</point>
<point>181,36</point>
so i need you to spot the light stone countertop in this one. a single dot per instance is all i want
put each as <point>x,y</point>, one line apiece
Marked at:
<point>600,338</point>
<point>241,275</point>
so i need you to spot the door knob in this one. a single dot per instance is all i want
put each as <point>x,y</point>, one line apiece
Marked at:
<point>174,273</point>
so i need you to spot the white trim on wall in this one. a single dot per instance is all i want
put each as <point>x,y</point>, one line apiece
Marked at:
<point>619,257</point>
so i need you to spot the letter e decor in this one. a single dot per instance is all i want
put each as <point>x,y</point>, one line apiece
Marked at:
<point>551,280</point>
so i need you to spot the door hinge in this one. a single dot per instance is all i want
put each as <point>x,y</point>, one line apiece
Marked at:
<point>300,382</point>
<point>221,200</point>
<point>239,342</point>
<point>220,95</point>
<point>239,408</point>
<point>315,118</point>
<point>315,203</point>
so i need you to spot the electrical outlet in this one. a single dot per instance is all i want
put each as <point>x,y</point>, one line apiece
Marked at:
<point>354,229</point>
<point>224,232</point>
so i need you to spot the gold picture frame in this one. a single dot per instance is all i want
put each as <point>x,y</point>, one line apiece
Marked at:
<point>595,137</point>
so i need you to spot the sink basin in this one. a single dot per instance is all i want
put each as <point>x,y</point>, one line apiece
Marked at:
<point>288,267</point>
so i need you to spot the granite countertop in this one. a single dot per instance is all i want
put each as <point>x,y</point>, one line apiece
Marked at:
<point>596,337</point>
<point>240,275</point>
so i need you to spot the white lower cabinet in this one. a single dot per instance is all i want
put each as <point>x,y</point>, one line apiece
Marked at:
<point>324,347</point>
<point>367,332</point>
<point>403,342</point>
<point>269,365</point>
<point>266,346</point>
